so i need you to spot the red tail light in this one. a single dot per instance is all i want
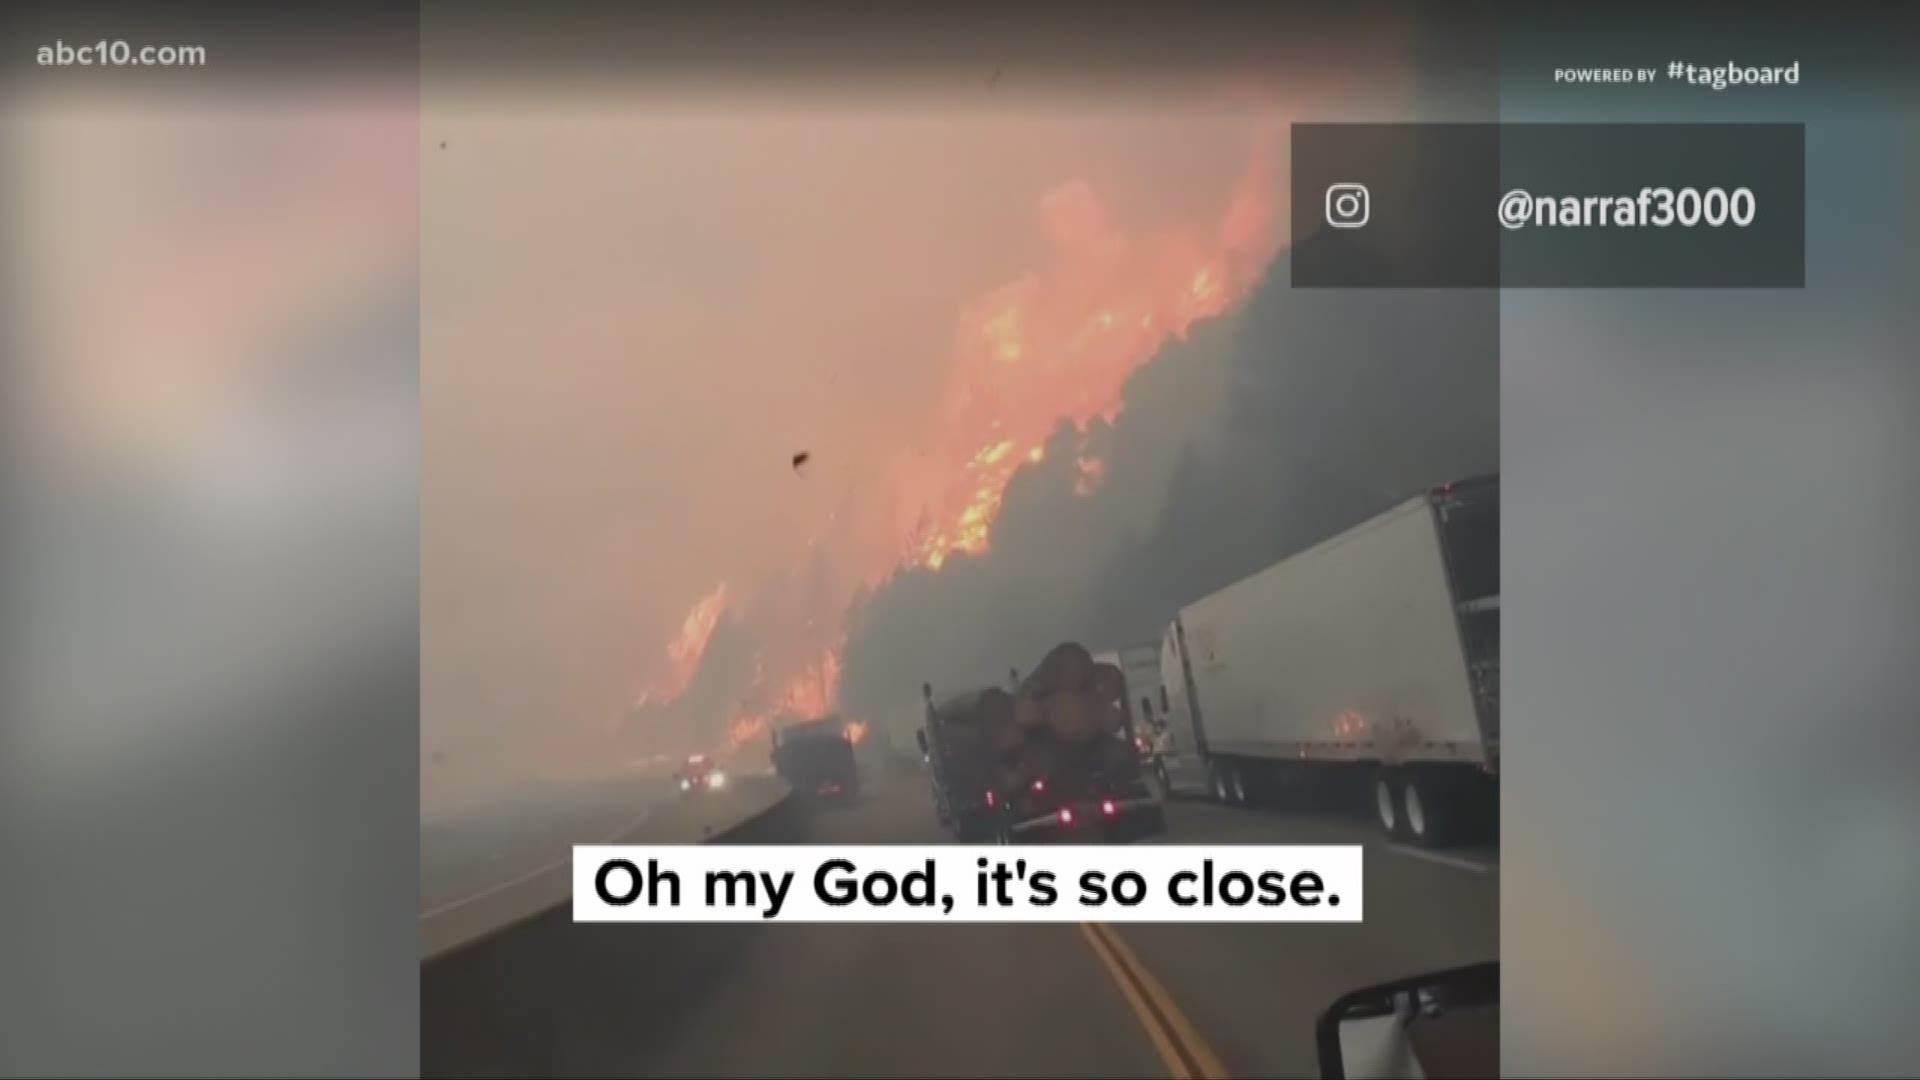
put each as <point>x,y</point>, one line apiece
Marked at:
<point>1040,784</point>
<point>1107,807</point>
<point>1066,816</point>
<point>989,800</point>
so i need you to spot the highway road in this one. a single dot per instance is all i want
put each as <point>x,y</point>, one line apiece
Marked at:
<point>1045,1000</point>
<point>484,869</point>
<point>465,854</point>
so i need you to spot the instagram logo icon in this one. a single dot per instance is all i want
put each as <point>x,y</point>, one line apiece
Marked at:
<point>1348,205</point>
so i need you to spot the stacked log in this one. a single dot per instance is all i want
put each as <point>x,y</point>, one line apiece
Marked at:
<point>1071,700</point>
<point>1067,667</point>
<point>1069,721</point>
<point>982,722</point>
<point>1065,721</point>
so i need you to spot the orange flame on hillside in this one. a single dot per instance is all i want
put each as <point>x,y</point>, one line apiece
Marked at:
<point>814,690</point>
<point>1060,345</point>
<point>687,648</point>
<point>1056,344</point>
<point>809,694</point>
<point>746,728</point>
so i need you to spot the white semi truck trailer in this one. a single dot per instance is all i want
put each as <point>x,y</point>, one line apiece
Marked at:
<point>1374,654</point>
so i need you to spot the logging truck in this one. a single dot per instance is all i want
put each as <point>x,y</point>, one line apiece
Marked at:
<point>1052,759</point>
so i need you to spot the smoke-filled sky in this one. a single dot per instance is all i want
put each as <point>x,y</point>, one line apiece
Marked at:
<point>638,308</point>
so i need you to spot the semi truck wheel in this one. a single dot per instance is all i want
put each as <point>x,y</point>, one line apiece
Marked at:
<point>1431,807</point>
<point>1229,786</point>
<point>1421,812</point>
<point>1386,802</point>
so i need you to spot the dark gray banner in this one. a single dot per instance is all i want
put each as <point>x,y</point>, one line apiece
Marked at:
<point>1549,205</point>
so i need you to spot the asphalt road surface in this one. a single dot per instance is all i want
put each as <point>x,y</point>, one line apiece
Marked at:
<point>1063,1000</point>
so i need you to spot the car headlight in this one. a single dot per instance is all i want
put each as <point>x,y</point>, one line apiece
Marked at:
<point>685,783</point>
<point>719,779</point>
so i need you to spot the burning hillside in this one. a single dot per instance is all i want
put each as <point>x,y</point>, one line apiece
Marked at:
<point>1055,344</point>
<point>1060,344</point>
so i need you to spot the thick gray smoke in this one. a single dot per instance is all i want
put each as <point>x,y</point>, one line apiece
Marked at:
<point>1336,404</point>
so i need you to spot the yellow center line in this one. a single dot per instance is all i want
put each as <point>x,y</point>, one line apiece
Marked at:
<point>1162,1041</point>
<point>1186,1055</point>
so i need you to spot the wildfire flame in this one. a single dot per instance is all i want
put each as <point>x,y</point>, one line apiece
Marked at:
<point>687,648</point>
<point>1054,344</point>
<point>746,728</point>
<point>1061,344</point>
<point>810,693</point>
<point>814,690</point>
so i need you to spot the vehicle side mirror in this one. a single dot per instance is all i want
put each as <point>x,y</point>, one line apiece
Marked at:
<point>920,736</point>
<point>1428,1027</point>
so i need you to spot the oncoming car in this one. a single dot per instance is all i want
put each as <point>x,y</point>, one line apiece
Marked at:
<point>700,774</point>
